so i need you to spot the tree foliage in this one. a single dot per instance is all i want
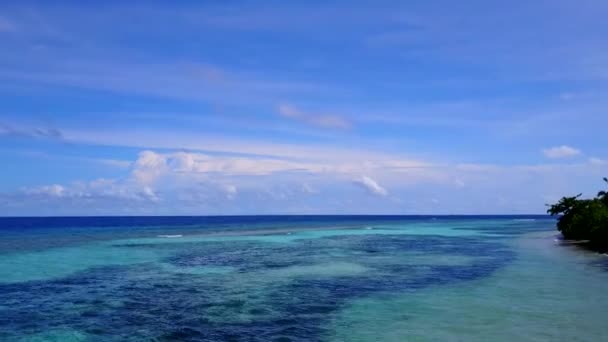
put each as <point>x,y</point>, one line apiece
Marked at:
<point>583,219</point>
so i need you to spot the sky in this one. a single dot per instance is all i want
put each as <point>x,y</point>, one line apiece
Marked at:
<point>301,107</point>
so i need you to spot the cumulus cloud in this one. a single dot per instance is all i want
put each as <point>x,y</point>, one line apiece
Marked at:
<point>198,180</point>
<point>149,194</point>
<point>313,119</point>
<point>149,166</point>
<point>561,152</point>
<point>197,183</point>
<point>371,185</point>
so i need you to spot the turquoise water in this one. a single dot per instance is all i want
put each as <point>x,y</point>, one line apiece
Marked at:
<point>297,279</point>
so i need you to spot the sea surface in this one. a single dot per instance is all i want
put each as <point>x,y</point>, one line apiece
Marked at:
<point>298,278</point>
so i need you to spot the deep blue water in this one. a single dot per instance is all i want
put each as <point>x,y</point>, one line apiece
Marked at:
<point>215,221</point>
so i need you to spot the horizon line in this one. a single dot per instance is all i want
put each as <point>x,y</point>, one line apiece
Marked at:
<point>277,215</point>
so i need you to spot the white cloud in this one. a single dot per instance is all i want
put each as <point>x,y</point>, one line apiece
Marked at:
<point>54,190</point>
<point>371,185</point>
<point>196,183</point>
<point>149,166</point>
<point>183,162</point>
<point>306,188</point>
<point>231,191</point>
<point>561,152</point>
<point>150,159</point>
<point>459,183</point>
<point>94,190</point>
<point>320,120</point>
<point>597,161</point>
<point>149,194</point>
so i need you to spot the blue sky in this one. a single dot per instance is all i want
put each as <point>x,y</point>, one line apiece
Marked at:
<point>301,107</point>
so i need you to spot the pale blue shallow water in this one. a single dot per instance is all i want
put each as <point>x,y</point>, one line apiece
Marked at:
<point>290,278</point>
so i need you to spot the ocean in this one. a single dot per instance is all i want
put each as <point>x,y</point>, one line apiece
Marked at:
<point>298,278</point>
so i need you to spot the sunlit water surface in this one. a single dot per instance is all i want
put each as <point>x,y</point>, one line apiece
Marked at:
<point>298,279</point>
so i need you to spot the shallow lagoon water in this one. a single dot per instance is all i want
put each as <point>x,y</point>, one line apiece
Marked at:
<point>297,279</point>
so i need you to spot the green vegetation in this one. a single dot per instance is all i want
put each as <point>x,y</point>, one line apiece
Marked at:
<point>584,219</point>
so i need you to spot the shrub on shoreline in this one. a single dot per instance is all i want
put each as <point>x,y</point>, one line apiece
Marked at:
<point>583,219</point>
